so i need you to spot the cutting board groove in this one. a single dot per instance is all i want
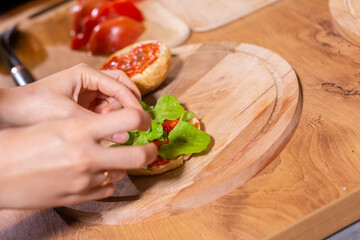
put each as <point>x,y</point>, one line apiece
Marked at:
<point>346,18</point>
<point>247,99</point>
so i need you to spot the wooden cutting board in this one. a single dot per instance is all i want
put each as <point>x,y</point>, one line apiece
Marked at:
<point>346,18</point>
<point>247,99</point>
<point>43,42</point>
<point>205,15</point>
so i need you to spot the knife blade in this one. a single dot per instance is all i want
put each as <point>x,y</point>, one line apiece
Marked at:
<point>16,68</point>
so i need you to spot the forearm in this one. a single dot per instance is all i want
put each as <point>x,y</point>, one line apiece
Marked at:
<point>28,105</point>
<point>17,106</point>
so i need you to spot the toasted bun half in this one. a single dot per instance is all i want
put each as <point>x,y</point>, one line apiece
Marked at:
<point>153,73</point>
<point>172,164</point>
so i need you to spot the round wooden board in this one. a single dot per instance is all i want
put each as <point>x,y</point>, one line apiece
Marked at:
<point>346,18</point>
<point>247,98</point>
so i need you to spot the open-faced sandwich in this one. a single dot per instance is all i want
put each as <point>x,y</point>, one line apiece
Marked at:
<point>146,63</point>
<point>175,132</point>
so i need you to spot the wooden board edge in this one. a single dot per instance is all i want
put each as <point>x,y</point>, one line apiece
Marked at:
<point>324,221</point>
<point>266,158</point>
<point>351,36</point>
<point>230,20</point>
<point>186,31</point>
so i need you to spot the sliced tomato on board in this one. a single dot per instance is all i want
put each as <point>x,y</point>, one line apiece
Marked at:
<point>109,9</point>
<point>117,8</point>
<point>101,14</point>
<point>82,9</point>
<point>114,34</point>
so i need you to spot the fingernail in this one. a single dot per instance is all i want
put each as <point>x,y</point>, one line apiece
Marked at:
<point>117,176</point>
<point>105,111</point>
<point>120,137</point>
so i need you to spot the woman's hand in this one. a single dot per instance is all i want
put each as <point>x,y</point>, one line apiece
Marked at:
<point>61,162</point>
<point>68,93</point>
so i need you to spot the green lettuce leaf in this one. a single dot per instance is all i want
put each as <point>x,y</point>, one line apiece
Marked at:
<point>135,138</point>
<point>140,140</point>
<point>187,116</point>
<point>167,107</point>
<point>155,131</point>
<point>143,137</point>
<point>146,107</point>
<point>184,138</point>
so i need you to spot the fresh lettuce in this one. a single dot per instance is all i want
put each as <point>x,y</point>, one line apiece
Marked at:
<point>143,137</point>
<point>183,139</point>
<point>167,107</point>
<point>155,131</point>
<point>135,138</point>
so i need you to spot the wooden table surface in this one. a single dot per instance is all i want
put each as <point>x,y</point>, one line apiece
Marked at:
<point>311,190</point>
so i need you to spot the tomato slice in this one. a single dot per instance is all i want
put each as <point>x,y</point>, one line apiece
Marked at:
<point>101,14</point>
<point>117,8</point>
<point>114,34</point>
<point>158,162</point>
<point>82,9</point>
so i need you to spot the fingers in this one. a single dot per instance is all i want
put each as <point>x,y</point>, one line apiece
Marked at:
<point>124,120</point>
<point>94,80</point>
<point>120,76</point>
<point>126,157</point>
<point>94,193</point>
<point>110,104</point>
<point>121,137</point>
<point>129,157</point>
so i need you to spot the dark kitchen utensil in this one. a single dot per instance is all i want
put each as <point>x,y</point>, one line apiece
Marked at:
<point>18,71</point>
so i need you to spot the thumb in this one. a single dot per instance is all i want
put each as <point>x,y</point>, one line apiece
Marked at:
<point>118,137</point>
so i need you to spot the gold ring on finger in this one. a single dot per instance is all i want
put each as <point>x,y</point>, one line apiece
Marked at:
<point>107,178</point>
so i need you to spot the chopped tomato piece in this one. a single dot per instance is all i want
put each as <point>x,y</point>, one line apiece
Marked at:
<point>101,14</point>
<point>158,162</point>
<point>159,143</point>
<point>115,9</point>
<point>82,9</point>
<point>88,15</point>
<point>114,34</point>
<point>169,125</point>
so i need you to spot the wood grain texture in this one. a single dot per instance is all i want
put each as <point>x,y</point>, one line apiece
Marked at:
<point>46,50</point>
<point>320,164</point>
<point>346,18</point>
<point>247,98</point>
<point>324,218</point>
<point>205,15</point>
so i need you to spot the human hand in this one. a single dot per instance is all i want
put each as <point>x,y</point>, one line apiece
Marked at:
<point>61,162</point>
<point>73,92</point>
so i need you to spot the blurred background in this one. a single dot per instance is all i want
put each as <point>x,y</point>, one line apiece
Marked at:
<point>7,5</point>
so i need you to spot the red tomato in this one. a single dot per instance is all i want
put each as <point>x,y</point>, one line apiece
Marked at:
<point>158,162</point>
<point>114,34</point>
<point>80,10</point>
<point>169,125</point>
<point>107,11</point>
<point>116,9</point>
